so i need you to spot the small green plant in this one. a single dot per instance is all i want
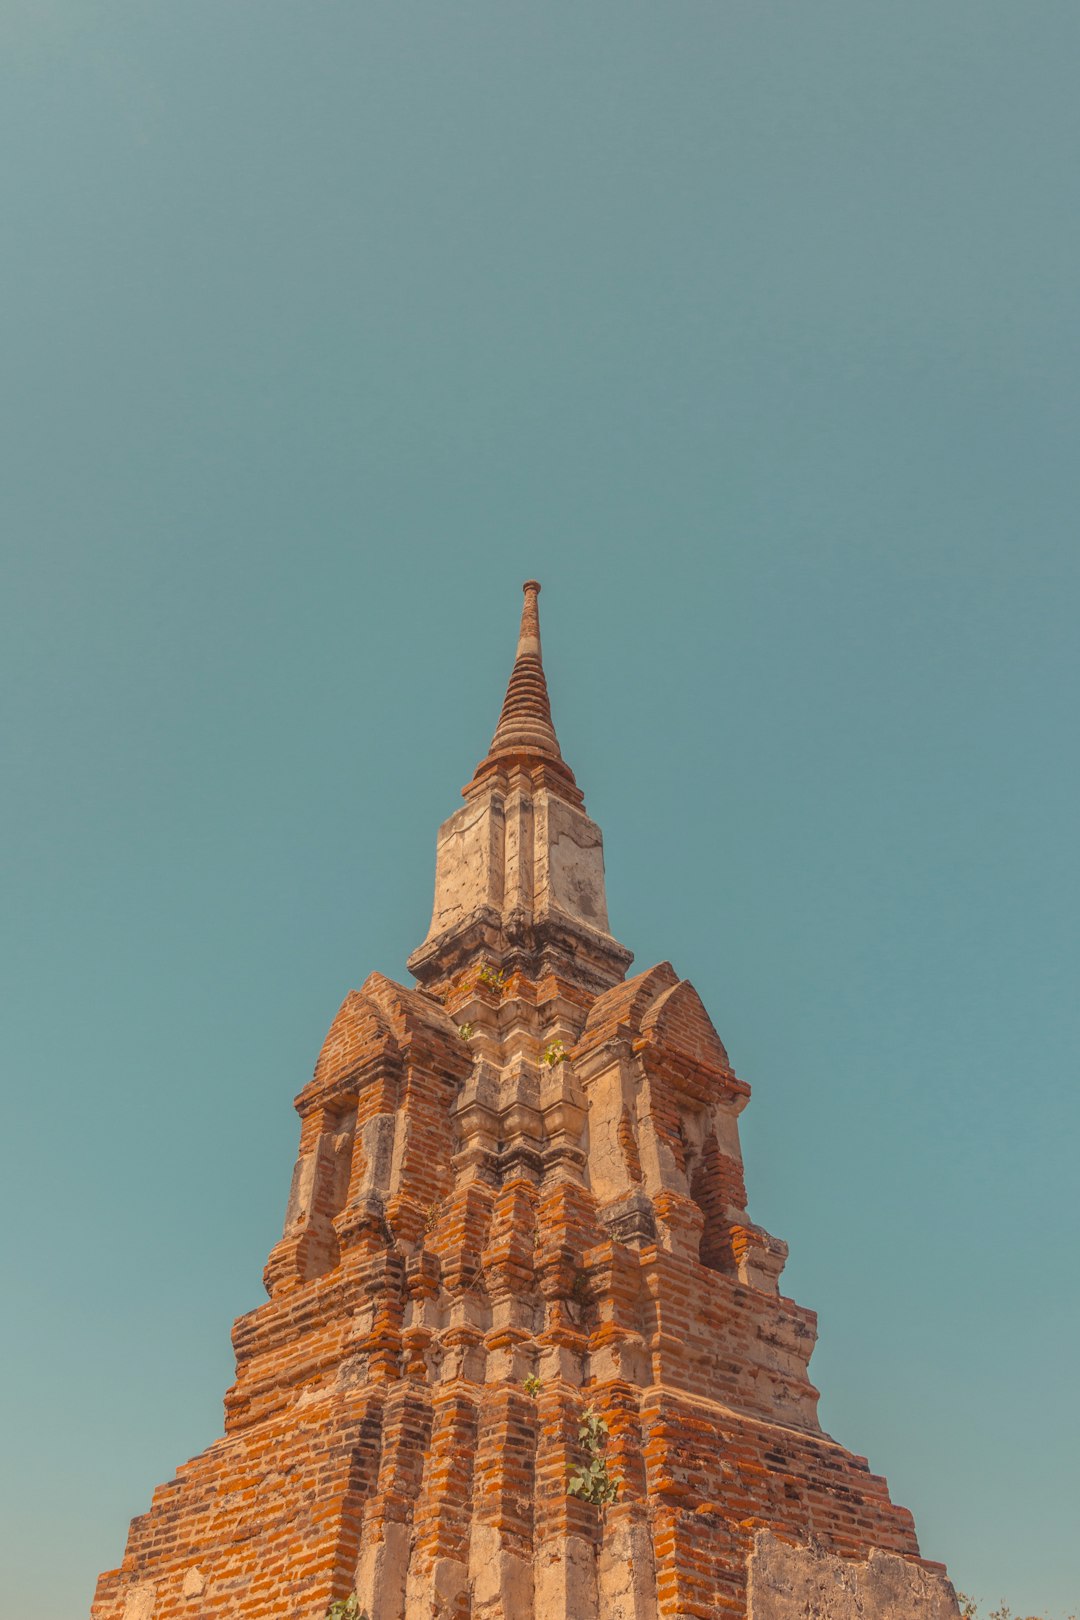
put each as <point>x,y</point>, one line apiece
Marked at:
<point>346,1609</point>
<point>491,976</point>
<point>591,1481</point>
<point>969,1610</point>
<point>466,1032</point>
<point>431,1216</point>
<point>533,1385</point>
<point>553,1054</point>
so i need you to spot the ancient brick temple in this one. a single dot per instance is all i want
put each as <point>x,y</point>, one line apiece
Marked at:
<point>519,1200</point>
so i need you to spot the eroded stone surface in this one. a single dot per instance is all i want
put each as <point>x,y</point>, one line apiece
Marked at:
<point>793,1582</point>
<point>194,1584</point>
<point>139,1601</point>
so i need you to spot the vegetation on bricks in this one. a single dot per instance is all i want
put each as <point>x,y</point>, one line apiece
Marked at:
<point>346,1609</point>
<point>970,1611</point>
<point>553,1054</point>
<point>591,1481</point>
<point>579,1290</point>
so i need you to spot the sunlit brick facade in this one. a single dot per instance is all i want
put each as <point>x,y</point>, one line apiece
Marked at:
<point>519,1195</point>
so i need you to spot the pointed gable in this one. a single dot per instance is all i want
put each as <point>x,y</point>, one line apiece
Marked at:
<point>620,1010</point>
<point>678,1022</point>
<point>409,1012</point>
<point>359,1033</point>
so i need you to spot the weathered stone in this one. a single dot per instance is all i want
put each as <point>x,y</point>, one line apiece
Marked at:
<point>139,1604</point>
<point>789,1581</point>
<point>193,1584</point>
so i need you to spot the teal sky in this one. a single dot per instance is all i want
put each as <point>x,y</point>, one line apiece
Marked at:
<point>752,331</point>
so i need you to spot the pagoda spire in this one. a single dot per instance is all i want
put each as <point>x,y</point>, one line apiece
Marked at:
<point>519,868</point>
<point>525,735</point>
<point>525,721</point>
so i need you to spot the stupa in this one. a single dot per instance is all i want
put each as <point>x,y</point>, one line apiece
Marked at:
<point>525,1354</point>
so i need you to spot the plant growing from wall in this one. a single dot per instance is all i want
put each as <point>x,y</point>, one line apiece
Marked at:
<point>591,1481</point>
<point>969,1610</point>
<point>579,1289</point>
<point>346,1609</point>
<point>553,1054</point>
<point>492,976</point>
<point>466,1032</point>
<point>532,1385</point>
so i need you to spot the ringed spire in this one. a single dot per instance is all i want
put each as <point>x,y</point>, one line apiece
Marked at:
<point>525,734</point>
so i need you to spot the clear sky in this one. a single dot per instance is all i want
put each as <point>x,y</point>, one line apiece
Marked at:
<point>752,331</point>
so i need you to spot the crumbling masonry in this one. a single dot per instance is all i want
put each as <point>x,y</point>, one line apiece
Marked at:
<point>519,1195</point>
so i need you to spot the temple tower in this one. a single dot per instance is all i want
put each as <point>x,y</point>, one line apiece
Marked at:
<point>525,1355</point>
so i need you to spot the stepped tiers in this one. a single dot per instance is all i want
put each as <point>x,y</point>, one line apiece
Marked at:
<point>525,1355</point>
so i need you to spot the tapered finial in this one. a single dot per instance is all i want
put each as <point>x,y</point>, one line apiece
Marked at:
<point>525,733</point>
<point>525,722</point>
<point>529,635</point>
